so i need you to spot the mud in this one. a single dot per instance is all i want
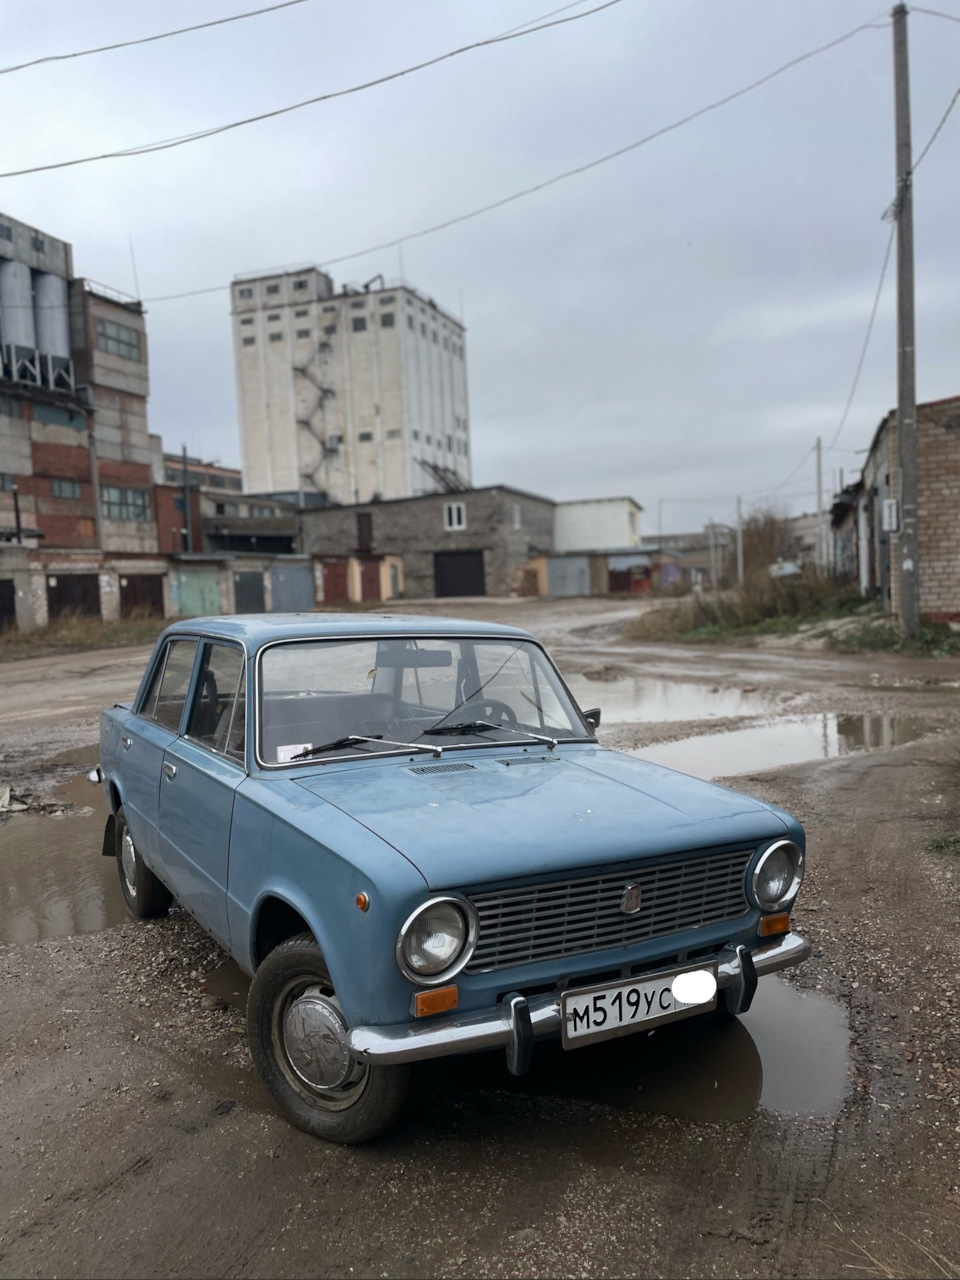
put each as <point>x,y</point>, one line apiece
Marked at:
<point>818,1135</point>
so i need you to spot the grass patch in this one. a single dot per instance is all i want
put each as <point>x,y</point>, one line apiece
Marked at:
<point>761,606</point>
<point>947,843</point>
<point>73,633</point>
<point>935,640</point>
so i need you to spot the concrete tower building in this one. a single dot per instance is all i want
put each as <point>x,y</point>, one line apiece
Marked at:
<point>355,396</point>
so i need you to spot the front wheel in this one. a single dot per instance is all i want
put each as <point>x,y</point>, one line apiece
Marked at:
<point>298,1041</point>
<point>145,895</point>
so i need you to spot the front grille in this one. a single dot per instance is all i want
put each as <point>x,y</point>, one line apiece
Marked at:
<point>543,922</point>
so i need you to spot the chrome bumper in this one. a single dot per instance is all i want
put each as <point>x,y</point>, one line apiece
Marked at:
<point>514,1023</point>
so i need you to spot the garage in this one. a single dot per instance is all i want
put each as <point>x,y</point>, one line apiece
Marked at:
<point>199,592</point>
<point>73,593</point>
<point>248,592</point>
<point>458,573</point>
<point>293,589</point>
<point>141,593</point>
<point>8,603</point>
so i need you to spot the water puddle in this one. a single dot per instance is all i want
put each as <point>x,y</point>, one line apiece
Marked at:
<point>788,1054</point>
<point>629,698</point>
<point>54,882</point>
<point>229,983</point>
<point>787,740</point>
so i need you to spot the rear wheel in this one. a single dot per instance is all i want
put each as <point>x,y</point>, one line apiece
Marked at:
<point>145,895</point>
<point>297,1035</point>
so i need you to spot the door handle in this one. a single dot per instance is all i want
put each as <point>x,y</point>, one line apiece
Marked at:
<point>169,769</point>
<point>127,743</point>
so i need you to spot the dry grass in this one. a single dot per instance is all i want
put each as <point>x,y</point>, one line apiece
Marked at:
<point>72,633</point>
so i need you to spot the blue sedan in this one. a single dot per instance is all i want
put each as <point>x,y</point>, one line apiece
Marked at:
<point>406,831</point>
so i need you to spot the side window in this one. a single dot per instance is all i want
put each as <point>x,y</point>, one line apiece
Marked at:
<point>215,700</point>
<point>174,682</point>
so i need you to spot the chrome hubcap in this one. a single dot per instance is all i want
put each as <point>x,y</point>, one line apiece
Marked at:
<point>315,1042</point>
<point>128,860</point>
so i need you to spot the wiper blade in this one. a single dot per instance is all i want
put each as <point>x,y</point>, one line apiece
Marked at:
<point>351,738</point>
<point>482,726</point>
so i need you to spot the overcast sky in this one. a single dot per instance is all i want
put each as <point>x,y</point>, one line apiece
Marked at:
<point>678,325</point>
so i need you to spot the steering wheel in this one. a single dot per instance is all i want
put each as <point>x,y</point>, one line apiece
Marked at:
<point>492,710</point>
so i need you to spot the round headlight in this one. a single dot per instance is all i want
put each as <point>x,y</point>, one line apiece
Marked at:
<point>437,940</point>
<point>777,876</point>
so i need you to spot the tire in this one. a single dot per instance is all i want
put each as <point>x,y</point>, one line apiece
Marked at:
<point>146,896</point>
<point>367,1099</point>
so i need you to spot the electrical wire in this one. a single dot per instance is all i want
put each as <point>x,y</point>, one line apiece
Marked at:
<point>936,133</point>
<point>935,13</point>
<point>165,144</point>
<point>163,35</point>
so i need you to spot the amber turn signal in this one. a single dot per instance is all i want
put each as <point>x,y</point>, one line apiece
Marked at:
<point>770,925</point>
<point>440,1001</point>
<point>362,902</point>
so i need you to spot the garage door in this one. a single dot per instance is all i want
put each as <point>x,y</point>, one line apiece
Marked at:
<point>458,573</point>
<point>199,592</point>
<point>8,603</point>
<point>141,593</point>
<point>293,589</point>
<point>73,593</point>
<point>335,581</point>
<point>248,591</point>
<point>568,576</point>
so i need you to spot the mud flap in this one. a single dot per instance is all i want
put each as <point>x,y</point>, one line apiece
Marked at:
<point>109,849</point>
<point>739,995</point>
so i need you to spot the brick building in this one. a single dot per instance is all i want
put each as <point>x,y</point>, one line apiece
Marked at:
<point>866,515</point>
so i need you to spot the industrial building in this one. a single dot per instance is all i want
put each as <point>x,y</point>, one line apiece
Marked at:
<point>348,397</point>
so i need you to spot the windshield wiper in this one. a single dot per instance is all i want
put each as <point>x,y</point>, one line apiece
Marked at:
<point>481,726</point>
<point>351,738</point>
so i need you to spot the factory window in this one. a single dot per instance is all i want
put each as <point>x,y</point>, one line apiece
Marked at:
<point>258,512</point>
<point>37,243</point>
<point>409,322</point>
<point>358,304</point>
<point>423,329</point>
<point>517,516</point>
<point>118,339</point>
<point>446,345</point>
<point>248,342</point>
<point>415,435</point>
<point>234,482</point>
<point>305,311</point>
<point>394,433</point>
<point>329,328</point>
<point>434,335</point>
<point>334,441</point>
<point>276,337</point>
<point>386,320</point>
<point>330,308</point>
<point>125,504</point>
<point>247,320</point>
<point>454,516</point>
<point>6,482</point>
<point>299,284</point>
<point>303,333</point>
<point>428,439</point>
<point>66,489</point>
<point>274,315</point>
<point>6,233</point>
<point>450,444</point>
<point>273,288</point>
<point>244,293</point>
<point>386,300</point>
<point>359,324</point>
<point>365,437</point>
<point>226,508</point>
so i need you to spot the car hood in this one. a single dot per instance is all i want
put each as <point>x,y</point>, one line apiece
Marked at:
<point>488,816</point>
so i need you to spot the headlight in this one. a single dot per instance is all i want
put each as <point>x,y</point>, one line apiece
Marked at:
<point>437,940</point>
<point>777,875</point>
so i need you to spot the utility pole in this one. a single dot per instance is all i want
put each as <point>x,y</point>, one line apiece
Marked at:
<point>740,540</point>
<point>187,514</point>
<point>906,348</point>
<point>820,557</point>
<point>660,524</point>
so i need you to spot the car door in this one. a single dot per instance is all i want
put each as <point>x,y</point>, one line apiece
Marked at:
<point>145,736</point>
<point>200,774</point>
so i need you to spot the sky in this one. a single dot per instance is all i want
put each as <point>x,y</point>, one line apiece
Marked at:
<point>678,325</point>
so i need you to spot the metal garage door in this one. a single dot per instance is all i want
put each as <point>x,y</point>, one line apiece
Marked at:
<point>335,581</point>
<point>199,592</point>
<point>248,592</point>
<point>8,603</point>
<point>293,589</point>
<point>141,593</point>
<point>568,576</point>
<point>458,573</point>
<point>73,593</point>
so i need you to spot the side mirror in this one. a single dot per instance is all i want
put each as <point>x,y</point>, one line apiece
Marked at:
<point>592,717</point>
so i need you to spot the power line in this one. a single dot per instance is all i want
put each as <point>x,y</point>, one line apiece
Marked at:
<point>166,143</point>
<point>935,13</point>
<point>936,133</point>
<point>163,35</point>
<point>563,9</point>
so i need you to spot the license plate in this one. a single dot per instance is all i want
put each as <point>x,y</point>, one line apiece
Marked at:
<point>597,1013</point>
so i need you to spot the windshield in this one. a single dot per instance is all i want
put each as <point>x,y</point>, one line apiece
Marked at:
<point>450,691</point>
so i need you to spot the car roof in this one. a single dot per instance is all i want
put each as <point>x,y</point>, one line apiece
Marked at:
<point>253,630</point>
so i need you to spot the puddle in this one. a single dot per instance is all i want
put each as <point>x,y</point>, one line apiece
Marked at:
<point>230,983</point>
<point>54,882</point>
<point>788,1054</point>
<point>787,740</point>
<point>629,698</point>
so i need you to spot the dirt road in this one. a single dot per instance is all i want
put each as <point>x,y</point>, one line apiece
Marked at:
<point>819,1135</point>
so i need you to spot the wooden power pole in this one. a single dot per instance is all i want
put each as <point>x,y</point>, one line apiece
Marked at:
<point>906,349</point>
